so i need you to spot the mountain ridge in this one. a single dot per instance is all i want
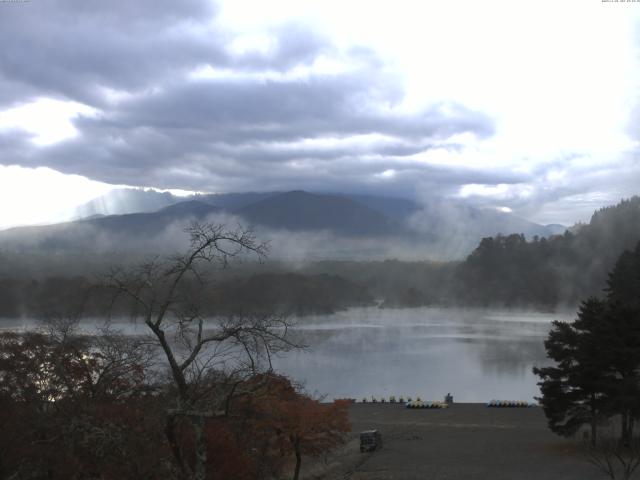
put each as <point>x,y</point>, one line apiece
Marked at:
<point>302,211</point>
<point>440,230</point>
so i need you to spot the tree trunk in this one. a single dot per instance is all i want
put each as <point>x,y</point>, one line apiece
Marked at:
<point>625,428</point>
<point>200,469</point>
<point>170,433</point>
<point>594,421</point>
<point>296,446</point>
<point>176,372</point>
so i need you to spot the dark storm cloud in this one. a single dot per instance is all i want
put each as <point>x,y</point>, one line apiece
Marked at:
<point>71,49</point>
<point>256,126</point>
<point>287,110</point>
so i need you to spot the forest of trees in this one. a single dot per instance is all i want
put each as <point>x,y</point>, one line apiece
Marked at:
<point>286,292</point>
<point>195,398</point>
<point>503,271</point>
<point>78,407</point>
<point>596,371</point>
<point>561,270</point>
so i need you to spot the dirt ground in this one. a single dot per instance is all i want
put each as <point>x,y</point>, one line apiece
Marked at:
<point>464,442</point>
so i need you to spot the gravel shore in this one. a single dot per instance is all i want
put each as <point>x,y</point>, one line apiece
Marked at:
<point>463,442</point>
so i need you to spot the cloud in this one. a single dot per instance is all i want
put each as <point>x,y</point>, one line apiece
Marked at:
<point>167,94</point>
<point>565,189</point>
<point>74,49</point>
<point>284,109</point>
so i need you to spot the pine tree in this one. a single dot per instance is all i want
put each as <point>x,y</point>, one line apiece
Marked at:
<point>597,358</point>
<point>620,332</point>
<point>574,392</point>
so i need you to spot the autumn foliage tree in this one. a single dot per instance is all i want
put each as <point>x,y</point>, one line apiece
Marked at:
<point>292,424</point>
<point>75,406</point>
<point>194,399</point>
<point>207,358</point>
<point>312,428</point>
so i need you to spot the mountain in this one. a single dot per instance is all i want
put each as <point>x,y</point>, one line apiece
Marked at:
<point>556,228</point>
<point>113,231</point>
<point>126,200</point>
<point>398,209</point>
<point>134,200</point>
<point>384,226</point>
<point>566,268</point>
<point>234,201</point>
<point>454,228</point>
<point>488,222</point>
<point>154,222</point>
<point>302,211</point>
<point>508,270</point>
<point>434,215</point>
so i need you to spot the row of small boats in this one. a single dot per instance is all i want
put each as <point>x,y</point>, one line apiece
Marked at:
<point>418,403</point>
<point>391,399</point>
<point>421,404</point>
<point>510,404</point>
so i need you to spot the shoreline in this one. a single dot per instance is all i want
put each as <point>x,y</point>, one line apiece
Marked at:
<point>467,441</point>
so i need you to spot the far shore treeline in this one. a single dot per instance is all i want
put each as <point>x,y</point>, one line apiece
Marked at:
<point>503,271</point>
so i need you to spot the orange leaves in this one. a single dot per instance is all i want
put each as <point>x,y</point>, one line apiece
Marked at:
<point>294,419</point>
<point>84,407</point>
<point>227,459</point>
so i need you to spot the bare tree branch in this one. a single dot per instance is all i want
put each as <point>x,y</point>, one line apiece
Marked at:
<point>208,358</point>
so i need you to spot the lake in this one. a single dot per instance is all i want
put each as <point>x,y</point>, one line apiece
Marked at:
<point>477,355</point>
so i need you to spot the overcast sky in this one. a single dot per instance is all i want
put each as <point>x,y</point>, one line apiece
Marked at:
<point>529,106</point>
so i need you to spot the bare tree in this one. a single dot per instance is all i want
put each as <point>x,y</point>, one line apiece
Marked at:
<point>208,358</point>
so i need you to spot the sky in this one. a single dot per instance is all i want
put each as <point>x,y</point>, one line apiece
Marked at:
<point>528,107</point>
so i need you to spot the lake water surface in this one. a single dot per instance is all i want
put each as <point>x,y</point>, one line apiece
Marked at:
<point>476,355</point>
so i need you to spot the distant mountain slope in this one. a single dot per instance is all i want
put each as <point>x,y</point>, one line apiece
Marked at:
<point>562,269</point>
<point>302,211</point>
<point>455,228</point>
<point>154,222</point>
<point>133,200</point>
<point>433,216</point>
<point>393,227</point>
<point>234,201</point>
<point>120,231</point>
<point>127,200</point>
<point>486,222</point>
<point>556,228</point>
<point>398,209</point>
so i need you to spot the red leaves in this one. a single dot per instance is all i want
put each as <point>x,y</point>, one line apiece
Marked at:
<point>287,421</point>
<point>63,414</point>
<point>78,409</point>
<point>227,459</point>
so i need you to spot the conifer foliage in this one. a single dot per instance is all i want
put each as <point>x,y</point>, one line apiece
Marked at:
<point>597,358</point>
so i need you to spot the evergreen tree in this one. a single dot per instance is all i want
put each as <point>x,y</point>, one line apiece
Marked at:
<point>620,332</point>
<point>574,392</point>
<point>597,356</point>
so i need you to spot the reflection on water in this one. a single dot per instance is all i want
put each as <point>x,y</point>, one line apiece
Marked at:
<point>476,355</point>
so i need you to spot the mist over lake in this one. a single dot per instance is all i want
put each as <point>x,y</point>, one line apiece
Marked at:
<point>476,355</point>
